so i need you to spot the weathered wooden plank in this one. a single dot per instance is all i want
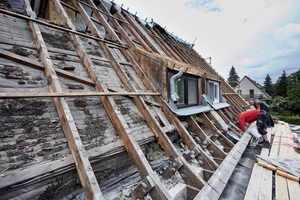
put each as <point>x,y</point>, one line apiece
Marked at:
<point>281,190</point>
<point>40,66</point>
<point>83,166</point>
<point>265,192</point>
<point>142,188</point>
<point>114,22</point>
<point>74,94</point>
<point>295,128</point>
<point>217,152</point>
<point>222,139</point>
<point>133,32</point>
<point>207,192</point>
<point>293,189</point>
<point>171,169</point>
<point>141,33</point>
<point>254,183</point>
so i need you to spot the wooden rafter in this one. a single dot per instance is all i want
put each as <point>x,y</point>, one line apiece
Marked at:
<point>130,20</point>
<point>83,166</point>
<point>216,134</point>
<point>112,19</point>
<point>133,32</point>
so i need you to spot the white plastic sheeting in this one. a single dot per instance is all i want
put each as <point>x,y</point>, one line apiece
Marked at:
<point>291,165</point>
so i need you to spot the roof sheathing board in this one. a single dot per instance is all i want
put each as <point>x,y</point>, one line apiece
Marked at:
<point>32,127</point>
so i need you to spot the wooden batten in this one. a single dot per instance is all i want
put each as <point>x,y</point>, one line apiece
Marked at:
<point>207,142</point>
<point>115,23</point>
<point>232,127</point>
<point>136,29</point>
<point>164,44</point>
<point>133,32</point>
<point>217,134</point>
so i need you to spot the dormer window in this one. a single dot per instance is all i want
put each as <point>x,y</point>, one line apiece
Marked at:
<point>186,87</point>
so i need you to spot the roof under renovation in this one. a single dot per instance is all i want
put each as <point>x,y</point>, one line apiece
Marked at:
<point>96,103</point>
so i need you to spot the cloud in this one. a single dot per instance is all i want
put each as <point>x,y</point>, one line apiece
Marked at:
<point>204,5</point>
<point>257,37</point>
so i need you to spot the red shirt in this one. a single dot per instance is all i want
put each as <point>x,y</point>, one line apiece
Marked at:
<point>247,116</point>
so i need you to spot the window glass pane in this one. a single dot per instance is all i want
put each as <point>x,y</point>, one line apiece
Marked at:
<point>192,91</point>
<point>211,91</point>
<point>216,91</point>
<point>179,89</point>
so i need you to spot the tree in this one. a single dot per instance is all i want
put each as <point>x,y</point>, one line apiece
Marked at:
<point>280,88</point>
<point>233,78</point>
<point>268,85</point>
<point>293,92</point>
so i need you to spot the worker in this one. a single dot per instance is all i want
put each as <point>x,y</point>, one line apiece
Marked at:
<point>250,116</point>
<point>262,106</point>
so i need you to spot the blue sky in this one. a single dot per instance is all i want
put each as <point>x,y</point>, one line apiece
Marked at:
<point>257,37</point>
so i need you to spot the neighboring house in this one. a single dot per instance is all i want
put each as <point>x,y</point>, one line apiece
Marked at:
<point>251,90</point>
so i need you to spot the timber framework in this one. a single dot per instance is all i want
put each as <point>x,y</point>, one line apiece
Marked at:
<point>86,86</point>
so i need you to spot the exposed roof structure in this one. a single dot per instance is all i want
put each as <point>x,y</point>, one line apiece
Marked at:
<point>79,107</point>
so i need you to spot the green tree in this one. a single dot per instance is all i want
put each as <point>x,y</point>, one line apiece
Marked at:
<point>233,78</point>
<point>280,87</point>
<point>293,92</point>
<point>268,85</point>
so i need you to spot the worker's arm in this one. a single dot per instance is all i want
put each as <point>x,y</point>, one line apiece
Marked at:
<point>247,106</point>
<point>257,106</point>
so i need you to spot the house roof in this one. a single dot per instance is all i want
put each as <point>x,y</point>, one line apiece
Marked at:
<point>78,107</point>
<point>257,85</point>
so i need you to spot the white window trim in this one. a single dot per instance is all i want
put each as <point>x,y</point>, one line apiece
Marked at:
<point>216,100</point>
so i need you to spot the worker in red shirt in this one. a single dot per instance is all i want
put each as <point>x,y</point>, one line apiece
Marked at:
<point>260,105</point>
<point>250,116</point>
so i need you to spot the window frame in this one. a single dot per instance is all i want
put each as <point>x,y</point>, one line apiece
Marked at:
<point>186,78</point>
<point>216,91</point>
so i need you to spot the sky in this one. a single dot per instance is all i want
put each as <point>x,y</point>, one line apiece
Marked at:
<point>256,37</point>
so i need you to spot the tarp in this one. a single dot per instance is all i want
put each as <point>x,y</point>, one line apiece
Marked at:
<point>291,165</point>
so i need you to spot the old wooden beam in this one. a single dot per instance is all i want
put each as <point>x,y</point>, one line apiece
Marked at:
<point>74,94</point>
<point>83,166</point>
<point>128,18</point>
<point>133,32</point>
<point>114,22</point>
<point>216,133</point>
<point>142,188</point>
<point>68,6</point>
<point>103,12</point>
<point>164,44</point>
<point>171,169</point>
<point>207,142</point>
